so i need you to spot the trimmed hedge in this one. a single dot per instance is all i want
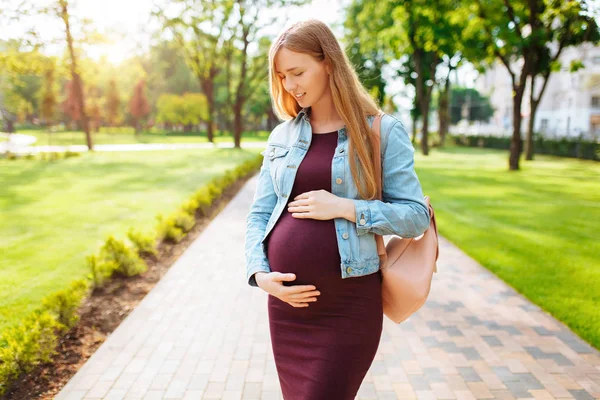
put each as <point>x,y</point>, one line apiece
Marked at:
<point>33,340</point>
<point>573,148</point>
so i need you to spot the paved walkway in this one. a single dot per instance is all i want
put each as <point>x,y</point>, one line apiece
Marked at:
<point>202,333</point>
<point>23,144</point>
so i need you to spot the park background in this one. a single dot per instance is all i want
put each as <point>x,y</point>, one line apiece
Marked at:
<point>519,193</point>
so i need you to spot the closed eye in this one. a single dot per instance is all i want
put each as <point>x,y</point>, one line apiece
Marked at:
<point>283,77</point>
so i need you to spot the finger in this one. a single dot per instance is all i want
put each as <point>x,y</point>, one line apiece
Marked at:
<point>284,277</point>
<point>296,289</point>
<point>302,301</point>
<point>301,202</point>
<point>300,209</point>
<point>305,195</point>
<point>298,305</point>
<point>300,215</point>
<point>303,295</point>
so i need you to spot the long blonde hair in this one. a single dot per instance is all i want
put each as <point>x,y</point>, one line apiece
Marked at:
<point>352,102</point>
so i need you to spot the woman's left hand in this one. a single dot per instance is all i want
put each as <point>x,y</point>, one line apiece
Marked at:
<point>316,204</point>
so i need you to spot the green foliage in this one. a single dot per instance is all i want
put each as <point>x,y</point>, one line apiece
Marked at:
<point>100,269</point>
<point>189,109</point>
<point>190,206</point>
<point>128,261</point>
<point>167,230</point>
<point>479,106</point>
<point>26,345</point>
<point>204,200</point>
<point>63,304</point>
<point>145,244</point>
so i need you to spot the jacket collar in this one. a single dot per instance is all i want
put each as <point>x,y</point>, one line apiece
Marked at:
<point>304,114</point>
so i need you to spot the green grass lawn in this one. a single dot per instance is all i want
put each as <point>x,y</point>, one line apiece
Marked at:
<point>78,137</point>
<point>536,228</point>
<point>54,214</point>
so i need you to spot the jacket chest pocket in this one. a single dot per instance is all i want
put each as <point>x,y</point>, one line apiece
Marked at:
<point>276,154</point>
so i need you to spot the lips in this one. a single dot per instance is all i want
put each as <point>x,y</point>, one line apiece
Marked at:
<point>304,94</point>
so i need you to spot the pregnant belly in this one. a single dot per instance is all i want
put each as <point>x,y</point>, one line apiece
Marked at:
<point>305,247</point>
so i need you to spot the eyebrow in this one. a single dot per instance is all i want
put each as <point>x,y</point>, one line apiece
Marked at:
<point>287,70</point>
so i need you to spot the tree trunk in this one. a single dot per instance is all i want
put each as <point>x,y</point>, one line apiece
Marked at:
<point>443,110</point>
<point>271,119</point>
<point>415,120</point>
<point>425,130</point>
<point>240,95</point>
<point>420,93</point>
<point>10,126</point>
<point>208,89</point>
<point>529,139</point>
<point>76,78</point>
<point>515,142</point>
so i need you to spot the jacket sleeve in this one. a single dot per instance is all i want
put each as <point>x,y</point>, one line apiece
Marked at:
<point>261,209</point>
<point>403,211</point>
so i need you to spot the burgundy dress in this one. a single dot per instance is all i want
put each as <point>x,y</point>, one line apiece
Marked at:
<point>323,351</point>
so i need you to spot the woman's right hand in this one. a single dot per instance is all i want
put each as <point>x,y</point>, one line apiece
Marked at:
<point>297,295</point>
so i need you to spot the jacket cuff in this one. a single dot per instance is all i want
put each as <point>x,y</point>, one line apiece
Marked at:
<point>363,216</point>
<point>254,269</point>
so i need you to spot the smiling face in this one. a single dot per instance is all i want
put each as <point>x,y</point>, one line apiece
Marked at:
<point>301,74</point>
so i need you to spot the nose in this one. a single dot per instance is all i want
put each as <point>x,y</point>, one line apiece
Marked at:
<point>289,85</point>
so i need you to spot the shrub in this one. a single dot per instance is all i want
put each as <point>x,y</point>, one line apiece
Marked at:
<point>69,154</point>
<point>167,230</point>
<point>214,190</point>
<point>204,200</point>
<point>63,304</point>
<point>128,261</point>
<point>27,344</point>
<point>100,270</point>
<point>184,221</point>
<point>190,206</point>
<point>144,244</point>
<point>563,147</point>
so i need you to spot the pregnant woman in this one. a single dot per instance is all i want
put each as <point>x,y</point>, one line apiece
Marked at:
<point>310,231</point>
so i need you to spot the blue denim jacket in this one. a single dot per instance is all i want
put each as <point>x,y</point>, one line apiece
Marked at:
<point>402,212</point>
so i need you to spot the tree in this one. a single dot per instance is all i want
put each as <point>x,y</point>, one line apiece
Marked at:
<point>368,62</point>
<point>19,81</point>
<point>48,97</point>
<point>478,107</point>
<point>138,105</point>
<point>202,48</point>
<point>113,103</point>
<point>58,10</point>
<point>94,109</point>
<point>571,25</point>
<point>71,105</point>
<point>187,110</point>
<point>76,79</point>
<point>417,33</point>
<point>521,36</point>
<point>213,35</point>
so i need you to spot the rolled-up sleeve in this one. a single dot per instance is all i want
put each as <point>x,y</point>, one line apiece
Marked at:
<point>402,210</point>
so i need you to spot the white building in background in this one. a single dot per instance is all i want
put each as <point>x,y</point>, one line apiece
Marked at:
<point>569,107</point>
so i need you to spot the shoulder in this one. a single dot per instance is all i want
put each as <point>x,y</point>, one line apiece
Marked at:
<point>393,131</point>
<point>280,134</point>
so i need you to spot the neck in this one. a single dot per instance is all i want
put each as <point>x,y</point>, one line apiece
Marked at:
<point>323,111</point>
